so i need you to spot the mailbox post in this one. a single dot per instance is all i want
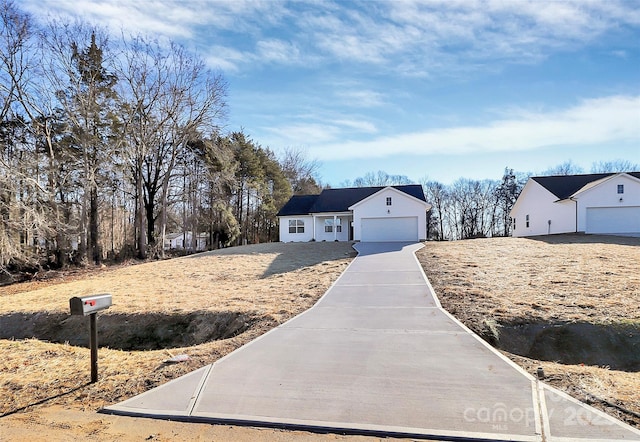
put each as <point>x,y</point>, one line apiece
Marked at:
<point>90,306</point>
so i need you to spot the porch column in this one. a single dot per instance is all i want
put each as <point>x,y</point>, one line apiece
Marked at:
<point>335,228</point>
<point>314,227</point>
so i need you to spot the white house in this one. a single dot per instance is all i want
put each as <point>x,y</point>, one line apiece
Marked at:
<point>392,213</point>
<point>184,241</point>
<point>605,203</point>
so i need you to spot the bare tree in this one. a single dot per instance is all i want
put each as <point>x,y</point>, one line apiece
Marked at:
<point>301,172</point>
<point>24,198</point>
<point>438,196</point>
<point>566,168</point>
<point>614,166</point>
<point>171,98</point>
<point>380,178</point>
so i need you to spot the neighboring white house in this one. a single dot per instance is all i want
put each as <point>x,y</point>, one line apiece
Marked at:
<point>393,213</point>
<point>184,241</point>
<point>605,203</point>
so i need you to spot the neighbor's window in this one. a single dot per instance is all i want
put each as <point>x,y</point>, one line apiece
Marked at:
<point>296,226</point>
<point>514,223</point>
<point>620,188</point>
<point>338,226</point>
<point>388,201</point>
<point>526,221</point>
<point>328,225</point>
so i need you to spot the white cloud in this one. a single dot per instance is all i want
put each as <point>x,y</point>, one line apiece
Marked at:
<point>410,37</point>
<point>277,51</point>
<point>311,134</point>
<point>224,58</point>
<point>357,125</point>
<point>593,121</point>
<point>363,98</point>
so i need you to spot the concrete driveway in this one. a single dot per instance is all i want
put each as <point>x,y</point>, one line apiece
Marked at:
<point>378,355</point>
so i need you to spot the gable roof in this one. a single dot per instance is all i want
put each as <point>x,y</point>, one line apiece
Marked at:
<point>564,186</point>
<point>339,200</point>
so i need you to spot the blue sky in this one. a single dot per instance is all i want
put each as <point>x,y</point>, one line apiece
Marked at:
<point>428,89</point>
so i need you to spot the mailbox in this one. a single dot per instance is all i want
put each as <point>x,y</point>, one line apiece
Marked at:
<point>86,305</point>
<point>90,306</point>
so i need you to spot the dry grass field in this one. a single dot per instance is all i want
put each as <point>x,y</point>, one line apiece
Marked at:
<point>235,294</point>
<point>516,293</point>
<point>573,299</point>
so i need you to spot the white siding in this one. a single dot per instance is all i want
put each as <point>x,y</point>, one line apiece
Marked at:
<point>402,206</point>
<point>606,195</point>
<point>541,206</point>
<point>285,236</point>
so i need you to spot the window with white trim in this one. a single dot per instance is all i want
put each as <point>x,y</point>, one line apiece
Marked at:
<point>328,225</point>
<point>296,226</point>
<point>620,188</point>
<point>388,201</point>
<point>338,225</point>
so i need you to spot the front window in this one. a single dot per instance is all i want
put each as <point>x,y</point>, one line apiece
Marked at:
<point>338,225</point>
<point>328,225</point>
<point>620,188</point>
<point>388,201</point>
<point>296,226</point>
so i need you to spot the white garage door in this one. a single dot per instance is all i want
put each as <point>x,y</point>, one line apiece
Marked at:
<point>613,220</point>
<point>389,229</point>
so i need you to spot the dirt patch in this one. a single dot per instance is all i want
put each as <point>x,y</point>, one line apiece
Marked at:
<point>562,298</point>
<point>616,346</point>
<point>144,331</point>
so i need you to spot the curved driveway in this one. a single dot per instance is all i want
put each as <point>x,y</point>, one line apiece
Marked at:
<point>378,355</point>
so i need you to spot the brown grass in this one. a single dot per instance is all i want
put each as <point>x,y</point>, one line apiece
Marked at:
<point>269,283</point>
<point>555,279</point>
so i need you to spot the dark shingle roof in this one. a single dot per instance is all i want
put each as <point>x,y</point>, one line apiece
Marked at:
<point>339,200</point>
<point>298,205</point>
<point>563,186</point>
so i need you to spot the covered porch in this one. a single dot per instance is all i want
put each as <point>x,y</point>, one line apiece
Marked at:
<point>333,226</point>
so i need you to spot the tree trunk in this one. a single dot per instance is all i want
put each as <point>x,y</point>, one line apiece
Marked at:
<point>94,245</point>
<point>139,223</point>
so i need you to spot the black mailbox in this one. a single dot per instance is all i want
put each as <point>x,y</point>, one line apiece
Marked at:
<point>86,305</point>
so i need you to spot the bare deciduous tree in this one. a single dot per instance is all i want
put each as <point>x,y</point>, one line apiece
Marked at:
<point>614,166</point>
<point>300,171</point>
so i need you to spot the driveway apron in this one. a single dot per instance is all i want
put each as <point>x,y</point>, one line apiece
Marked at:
<point>378,355</point>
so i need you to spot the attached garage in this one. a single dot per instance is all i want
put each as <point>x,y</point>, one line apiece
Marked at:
<point>613,219</point>
<point>389,229</point>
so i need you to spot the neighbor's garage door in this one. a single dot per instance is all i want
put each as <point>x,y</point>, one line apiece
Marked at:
<point>613,220</point>
<point>389,229</point>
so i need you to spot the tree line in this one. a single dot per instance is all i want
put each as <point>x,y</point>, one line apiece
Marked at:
<point>106,146</point>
